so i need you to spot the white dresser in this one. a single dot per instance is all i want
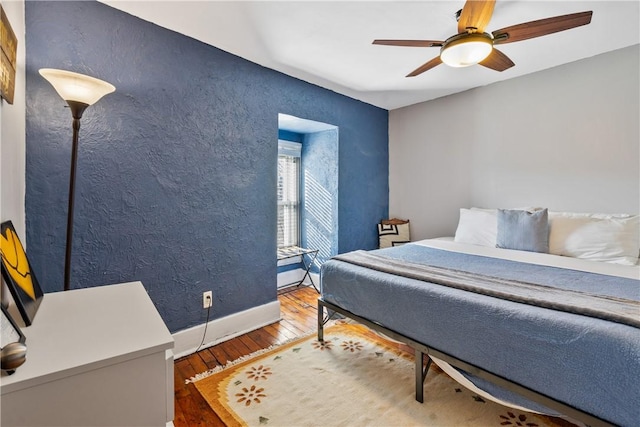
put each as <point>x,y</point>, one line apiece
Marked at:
<point>95,357</point>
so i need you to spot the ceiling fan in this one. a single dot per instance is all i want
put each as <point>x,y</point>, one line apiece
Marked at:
<point>472,45</point>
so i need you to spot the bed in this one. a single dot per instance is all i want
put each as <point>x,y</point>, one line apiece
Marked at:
<point>566,341</point>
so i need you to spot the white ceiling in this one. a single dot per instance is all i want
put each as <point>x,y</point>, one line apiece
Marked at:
<point>328,43</point>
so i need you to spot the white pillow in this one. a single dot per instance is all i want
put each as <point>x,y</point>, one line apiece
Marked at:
<point>477,227</point>
<point>591,215</point>
<point>613,238</point>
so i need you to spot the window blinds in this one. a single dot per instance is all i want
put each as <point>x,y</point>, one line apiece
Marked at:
<point>288,193</point>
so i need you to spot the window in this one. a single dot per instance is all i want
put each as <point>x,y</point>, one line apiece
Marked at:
<point>288,193</point>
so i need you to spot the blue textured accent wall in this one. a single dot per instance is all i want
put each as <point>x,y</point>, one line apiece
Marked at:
<point>177,168</point>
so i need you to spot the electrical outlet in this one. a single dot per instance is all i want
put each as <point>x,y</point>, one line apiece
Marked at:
<point>207,299</point>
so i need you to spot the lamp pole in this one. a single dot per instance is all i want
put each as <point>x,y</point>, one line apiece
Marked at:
<point>77,108</point>
<point>79,91</point>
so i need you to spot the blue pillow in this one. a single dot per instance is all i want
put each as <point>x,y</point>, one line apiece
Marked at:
<point>523,230</point>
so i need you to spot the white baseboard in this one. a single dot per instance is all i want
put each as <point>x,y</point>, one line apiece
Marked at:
<point>225,328</point>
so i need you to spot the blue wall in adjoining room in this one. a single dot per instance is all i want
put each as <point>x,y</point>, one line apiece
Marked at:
<point>177,172</point>
<point>320,210</point>
<point>290,136</point>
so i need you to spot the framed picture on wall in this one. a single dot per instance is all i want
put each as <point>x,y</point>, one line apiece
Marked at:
<point>17,273</point>
<point>8,51</point>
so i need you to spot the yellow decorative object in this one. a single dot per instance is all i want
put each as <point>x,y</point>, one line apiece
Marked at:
<point>15,260</point>
<point>18,274</point>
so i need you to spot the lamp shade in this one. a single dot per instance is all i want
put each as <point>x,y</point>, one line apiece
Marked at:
<point>77,87</point>
<point>464,50</point>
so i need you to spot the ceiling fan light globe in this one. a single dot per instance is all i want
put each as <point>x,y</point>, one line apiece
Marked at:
<point>464,50</point>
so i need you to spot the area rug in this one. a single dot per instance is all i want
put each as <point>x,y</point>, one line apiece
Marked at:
<point>353,378</point>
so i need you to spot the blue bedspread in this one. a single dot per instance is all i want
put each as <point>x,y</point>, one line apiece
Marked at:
<point>589,363</point>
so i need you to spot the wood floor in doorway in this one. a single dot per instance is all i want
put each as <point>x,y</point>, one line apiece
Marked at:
<point>298,308</point>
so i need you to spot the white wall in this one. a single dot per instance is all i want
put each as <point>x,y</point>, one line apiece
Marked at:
<point>12,132</point>
<point>566,138</point>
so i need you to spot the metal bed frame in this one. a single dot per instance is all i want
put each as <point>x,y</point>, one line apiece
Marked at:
<point>421,369</point>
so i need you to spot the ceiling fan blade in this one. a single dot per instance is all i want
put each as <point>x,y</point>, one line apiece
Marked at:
<point>475,14</point>
<point>410,43</point>
<point>541,27</point>
<point>497,61</point>
<point>425,67</point>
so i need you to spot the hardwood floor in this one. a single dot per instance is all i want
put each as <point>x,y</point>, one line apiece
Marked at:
<point>299,313</point>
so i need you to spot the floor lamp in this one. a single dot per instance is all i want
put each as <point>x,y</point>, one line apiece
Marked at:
<point>79,91</point>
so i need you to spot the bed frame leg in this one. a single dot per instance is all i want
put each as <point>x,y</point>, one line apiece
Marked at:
<point>421,374</point>
<point>320,321</point>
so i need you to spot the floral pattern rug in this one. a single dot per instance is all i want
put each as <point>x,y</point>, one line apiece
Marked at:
<point>351,379</point>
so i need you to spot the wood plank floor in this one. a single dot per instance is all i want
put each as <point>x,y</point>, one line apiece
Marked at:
<point>298,308</point>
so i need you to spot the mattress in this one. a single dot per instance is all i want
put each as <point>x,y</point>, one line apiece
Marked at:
<point>588,363</point>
